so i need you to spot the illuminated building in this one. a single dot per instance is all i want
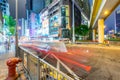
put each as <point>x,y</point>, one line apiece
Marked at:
<point>4,6</point>
<point>44,21</point>
<point>1,19</point>
<point>33,24</point>
<point>48,2</point>
<point>55,17</point>
<point>60,18</point>
<point>35,5</point>
<point>22,23</point>
<point>118,21</point>
<point>37,24</point>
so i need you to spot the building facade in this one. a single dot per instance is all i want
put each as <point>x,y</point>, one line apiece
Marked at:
<point>4,6</point>
<point>60,18</point>
<point>22,27</point>
<point>55,18</point>
<point>118,21</point>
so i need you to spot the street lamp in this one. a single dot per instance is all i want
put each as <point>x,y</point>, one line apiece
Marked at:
<point>73,22</point>
<point>16,35</point>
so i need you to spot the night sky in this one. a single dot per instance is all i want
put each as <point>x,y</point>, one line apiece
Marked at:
<point>90,2</point>
<point>110,21</point>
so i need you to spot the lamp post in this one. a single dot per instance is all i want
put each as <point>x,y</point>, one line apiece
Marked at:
<point>16,35</point>
<point>73,22</point>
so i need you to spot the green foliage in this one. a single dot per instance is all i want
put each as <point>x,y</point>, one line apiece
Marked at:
<point>12,30</point>
<point>10,22</point>
<point>82,30</point>
<point>114,39</point>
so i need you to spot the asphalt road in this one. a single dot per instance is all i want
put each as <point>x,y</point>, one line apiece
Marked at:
<point>88,61</point>
<point>104,61</point>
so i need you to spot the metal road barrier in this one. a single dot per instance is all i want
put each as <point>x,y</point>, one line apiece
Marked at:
<point>39,69</point>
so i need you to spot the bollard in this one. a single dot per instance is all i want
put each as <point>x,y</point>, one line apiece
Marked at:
<point>11,63</point>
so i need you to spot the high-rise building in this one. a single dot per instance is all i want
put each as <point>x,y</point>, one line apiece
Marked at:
<point>1,21</point>
<point>4,6</point>
<point>60,18</point>
<point>35,5</point>
<point>22,27</point>
<point>118,21</point>
<point>4,11</point>
<point>85,7</point>
<point>55,17</point>
<point>48,2</point>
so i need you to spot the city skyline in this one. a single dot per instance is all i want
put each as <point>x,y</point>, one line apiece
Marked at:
<point>110,21</point>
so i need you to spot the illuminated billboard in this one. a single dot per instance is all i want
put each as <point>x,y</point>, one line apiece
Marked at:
<point>67,16</point>
<point>55,23</point>
<point>44,30</point>
<point>34,24</point>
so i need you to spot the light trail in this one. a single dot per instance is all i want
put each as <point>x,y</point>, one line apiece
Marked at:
<point>86,68</point>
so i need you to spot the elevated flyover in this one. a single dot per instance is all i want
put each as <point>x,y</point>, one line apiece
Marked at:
<point>101,9</point>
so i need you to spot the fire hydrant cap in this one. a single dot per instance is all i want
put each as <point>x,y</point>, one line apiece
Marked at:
<point>13,61</point>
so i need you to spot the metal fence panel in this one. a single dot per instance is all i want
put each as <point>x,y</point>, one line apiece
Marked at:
<point>40,69</point>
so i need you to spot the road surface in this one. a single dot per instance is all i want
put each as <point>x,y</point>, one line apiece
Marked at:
<point>89,62</point>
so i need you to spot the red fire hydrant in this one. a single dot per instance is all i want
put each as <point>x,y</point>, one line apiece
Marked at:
<point>11,63</point>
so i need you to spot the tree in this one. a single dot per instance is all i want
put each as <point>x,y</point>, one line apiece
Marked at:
<point>10,23</point>
<point>82,30</point>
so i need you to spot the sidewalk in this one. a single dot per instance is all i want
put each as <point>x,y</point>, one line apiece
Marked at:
<point>3,66</point>
<point>4,55</point>
<point>96,46</point>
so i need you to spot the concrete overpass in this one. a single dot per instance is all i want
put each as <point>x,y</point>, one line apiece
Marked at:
<point>101,9</point>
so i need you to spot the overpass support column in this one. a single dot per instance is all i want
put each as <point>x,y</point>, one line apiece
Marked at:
<point>101,30</point>
<point>93,35</point>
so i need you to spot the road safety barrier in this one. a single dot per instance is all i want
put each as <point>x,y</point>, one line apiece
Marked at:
<point>39,69</point>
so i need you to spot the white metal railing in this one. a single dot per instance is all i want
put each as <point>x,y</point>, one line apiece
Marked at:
<point>39,69</point>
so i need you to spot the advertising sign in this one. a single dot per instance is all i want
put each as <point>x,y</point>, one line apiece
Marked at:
<point>45,24</point>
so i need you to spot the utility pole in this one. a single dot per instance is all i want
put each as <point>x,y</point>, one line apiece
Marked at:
<point>16,35</point>
<point>115,22</point>
<point>73,22</point>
